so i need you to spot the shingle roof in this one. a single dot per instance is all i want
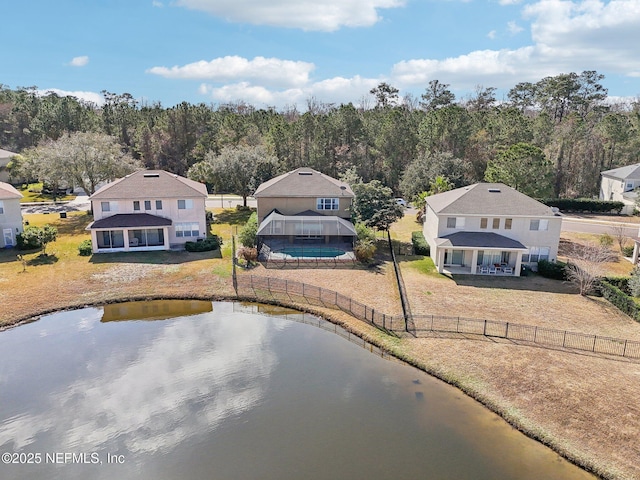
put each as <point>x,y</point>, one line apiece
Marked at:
<point>8,191</point>
<point>157,183</point>
<point>487,199</point>
<point>304,182</point>
<point>130,220</point>
<point>622,173</point>
<point>478,240</point>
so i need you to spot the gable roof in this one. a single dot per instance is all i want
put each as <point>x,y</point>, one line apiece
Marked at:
<point>622,173</point>
<point>8,191</point>
<point>487,199</point>
<point>150,183</point>
<point>303,182</point>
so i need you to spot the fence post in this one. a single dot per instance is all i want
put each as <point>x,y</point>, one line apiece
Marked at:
<point>484,331</point>
<point>624,350</point>
<point>458,325</point>
<point>564,339</point>
<point>506,331</point>
<point>432,323</point>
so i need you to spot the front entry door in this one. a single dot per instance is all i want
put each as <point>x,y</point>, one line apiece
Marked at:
<point>7,233</point>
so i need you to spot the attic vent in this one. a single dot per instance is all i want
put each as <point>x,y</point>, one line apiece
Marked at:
<point>494,190</point>
<point>151,175</point>
<point>305,173</point>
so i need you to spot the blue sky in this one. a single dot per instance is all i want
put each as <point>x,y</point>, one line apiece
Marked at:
<point>283,52</point>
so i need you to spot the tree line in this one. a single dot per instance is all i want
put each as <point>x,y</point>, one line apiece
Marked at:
<point>551,138</point>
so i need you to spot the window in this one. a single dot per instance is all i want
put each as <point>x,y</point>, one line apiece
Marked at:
<point>187,230</point>
<point>483,222</point>
<point>185,204</point>
<point>105,206</point>
<point>455,222</point>
<point>136,205</point>
<point>507,223</point>
<point>496,224</point>
<point>147,204</point>
<point>539,224</point>
<point>536,254</point>
<point>328,204</point>
<point>1,207</point>
<point>158,204</point>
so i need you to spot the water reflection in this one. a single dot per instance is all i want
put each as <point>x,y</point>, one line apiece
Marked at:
<point>154,310</point>
<point>240,392</point>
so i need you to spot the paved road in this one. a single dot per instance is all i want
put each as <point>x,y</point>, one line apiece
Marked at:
<point>572,224</point>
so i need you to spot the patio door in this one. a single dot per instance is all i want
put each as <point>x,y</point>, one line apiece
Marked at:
<point>453,257</point>
<point>7,234</point>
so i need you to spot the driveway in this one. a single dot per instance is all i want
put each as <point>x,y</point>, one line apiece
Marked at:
<point>80,203</point>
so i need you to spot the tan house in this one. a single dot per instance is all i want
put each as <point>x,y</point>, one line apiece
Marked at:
<point>10,215</point>
<point>5,157</point>
<point>304,206</point>
<point>620,185</point>
<point>147,210</point>
<point>489,228</point>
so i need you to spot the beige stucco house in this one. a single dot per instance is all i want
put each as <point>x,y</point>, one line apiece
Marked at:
<point>10,215</point>
<point>5,157</point>
<point>304,206</point>
<point>489,228</point>
<point>147,210</point>
<point>620,184</point>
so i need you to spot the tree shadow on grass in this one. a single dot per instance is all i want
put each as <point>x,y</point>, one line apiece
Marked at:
<point>155,258</point>
<point>532,282</point>
<point>42,259</point>
<point>233,216</point>
<point>74,224</point>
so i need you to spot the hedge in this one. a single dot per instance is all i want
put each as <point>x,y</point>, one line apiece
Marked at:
<point>555,270</point>
<point>619,299</point>
<point>208,244</point>
<point>584,205</point>
<point>420,245</point>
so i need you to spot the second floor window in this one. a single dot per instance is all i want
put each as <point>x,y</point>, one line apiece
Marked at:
<point>539,224</point>
<point>328,204</point>
<point>507,223</point>
<point>136,205</point>
<point>455,222</point>
<point>105,206</point>
<point>1,207</point>
<point>496,224</point>
<point>147,204</point>
<point>185,204</point>
<point>158,204</point>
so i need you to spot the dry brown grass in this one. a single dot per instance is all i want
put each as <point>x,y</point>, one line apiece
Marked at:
<point>585,406</point>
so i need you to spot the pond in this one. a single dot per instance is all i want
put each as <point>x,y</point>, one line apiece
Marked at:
<point>201,390</point>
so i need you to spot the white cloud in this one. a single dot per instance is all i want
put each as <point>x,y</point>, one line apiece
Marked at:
<point>323,15</point>
<point>269,71</point>
<point>568,36</point>
<point>79,61</point>
<point>492,34</point>
<point>157,4</point>
<point>514,28</point>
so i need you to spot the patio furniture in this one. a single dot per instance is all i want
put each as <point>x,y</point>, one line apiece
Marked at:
<point>484,269</point>
<point>508,270</point>
<point>493,270</point>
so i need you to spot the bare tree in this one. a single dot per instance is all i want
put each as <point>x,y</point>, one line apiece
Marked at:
<point>618,232</point>
<point>586,265</point>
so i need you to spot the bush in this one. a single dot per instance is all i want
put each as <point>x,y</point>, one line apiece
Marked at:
<point>248,236</point>
<point>364,250</point>
<point>618,298</point>
<point>364,232</point>
<point>84,249</point>
<point>206,245</point>
<point>619,282</point>
<point>249,255</point>
<point>585,205</point>
<point>420,245</point>
<point>627,251</point>
<point>605,240</point>
<point>36,237</point>
<point>555,270</point>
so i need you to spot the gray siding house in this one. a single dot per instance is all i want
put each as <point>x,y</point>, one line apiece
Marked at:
<point>10,215</point>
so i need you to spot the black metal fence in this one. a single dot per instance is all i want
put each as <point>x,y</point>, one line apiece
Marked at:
<point>404,299</point>
<point>269,288</point>
<point>527,333</point>
<point>281,289</point>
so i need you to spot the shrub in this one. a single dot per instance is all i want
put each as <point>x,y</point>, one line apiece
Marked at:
<point>606,240</point>
<point>248,254</point>
<point>36,237</point>
<point>627,251</point>
<point>206,245</point>
<point>364,232</point>
<point>420,245</point>
<point>248,236</point>
<point>618,298</point>
<point>555,270</point>
<point>84,249</point>
<point>364,250</point>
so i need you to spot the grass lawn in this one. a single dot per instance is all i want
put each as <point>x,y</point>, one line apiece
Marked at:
<point>33,193</point>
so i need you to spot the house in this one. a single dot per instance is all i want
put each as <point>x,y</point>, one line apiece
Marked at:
<point>619,185</point>
<point>10,215</point>
<point>304,206</point>
<point>5,157</point>
<point>489,228</point>
<point>147,210</point>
